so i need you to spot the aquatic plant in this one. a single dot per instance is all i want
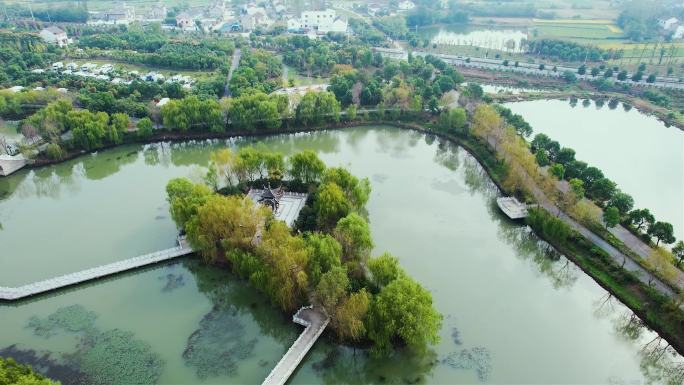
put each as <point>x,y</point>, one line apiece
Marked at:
<point>173,281</point>
<point>115,357</point>
<point>73,319</point>
<point>111,357</point>
<point>220,342</point>
<point>477,359</point>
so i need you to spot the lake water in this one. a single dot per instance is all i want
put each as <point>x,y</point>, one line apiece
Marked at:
<point>507,40</point>
<point>638,152</point>
<point>514,310</point>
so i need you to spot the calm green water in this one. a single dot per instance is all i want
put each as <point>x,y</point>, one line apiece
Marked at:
<point>515,311</point>
<point>643,156</point>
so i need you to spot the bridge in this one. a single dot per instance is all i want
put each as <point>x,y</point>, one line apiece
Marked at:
<point>31,289</point>
<point>315,320</point>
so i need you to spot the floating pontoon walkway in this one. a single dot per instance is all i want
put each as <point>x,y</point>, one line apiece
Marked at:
<point>15,293</point>
<point>511,207</point>
<point>315,321</point>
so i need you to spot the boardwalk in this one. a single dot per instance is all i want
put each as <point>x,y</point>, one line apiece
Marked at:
<point>315,321</point>
<point>15,293</point>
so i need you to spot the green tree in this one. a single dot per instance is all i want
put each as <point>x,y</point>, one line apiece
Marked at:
<point>185,198</point>
<point>640,218</point>
<point>663,232</point>
<point>602,189</point>
<point>557,170</point>
<point>350,315</point>
<point>120,122</point>
<point>621,201</point>
<point>144,128</point>
<point>678,252</point>
<point>12,373</point>
<point>453,120</point>
<point>330,204</point>
<point>565,156</point>
<point>351,112</point>
<point>306,166</point>
<point>54,151</point>
<point>354,235</point>
<point>611,217</point>
<point>331,288</point>
<point>384,269</point>
<point>542,158</point>
<point>577,187</point>
<point>403,309</point>
<point>325,254</point>
<point>357,191</point>
<point>569,76</point>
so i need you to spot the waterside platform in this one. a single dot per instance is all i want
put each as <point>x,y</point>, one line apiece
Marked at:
<point>9,164</point>
<point>31,289</point>
<point>315,321</point>
<point>512,207</point>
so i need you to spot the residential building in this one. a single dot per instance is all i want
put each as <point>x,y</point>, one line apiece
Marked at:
<point>406,5</point>
<point>55,35</point>
<point>120,14</point>
<point>157,12</point>
<point>185,22</point>
<point>320,21</point>
<point>678,33</point>
<point>667,23</point>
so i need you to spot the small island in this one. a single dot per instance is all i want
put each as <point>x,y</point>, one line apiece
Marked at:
<point>324,260</point>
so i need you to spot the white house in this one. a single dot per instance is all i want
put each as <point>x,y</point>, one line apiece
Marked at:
<point>185,22</point>
<point>338,25</point>
<point>406,5</point>
<point>667,23</point>
<point>120,14</point>
<point>321,21</point>
<point>55,35</point>
<point>678,33</point>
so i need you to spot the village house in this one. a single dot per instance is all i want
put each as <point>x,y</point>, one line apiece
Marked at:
<point>320,21</point>
<point>119,14</point>
<point>55,35</point>
<point>406,5</point>
<point>157,12</point>
<point>185,22</point>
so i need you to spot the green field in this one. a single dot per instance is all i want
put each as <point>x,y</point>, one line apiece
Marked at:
<point>576,32</point>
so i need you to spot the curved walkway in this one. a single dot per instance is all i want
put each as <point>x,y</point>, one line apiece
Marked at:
<point>315,321</point>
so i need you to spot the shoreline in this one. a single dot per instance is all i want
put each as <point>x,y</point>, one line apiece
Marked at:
<point>554,86</point>
<point>467,145</point>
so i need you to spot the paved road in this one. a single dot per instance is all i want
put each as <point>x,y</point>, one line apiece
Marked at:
<point>525,68</point>
<point>233,66</point>
<point>621,259</point>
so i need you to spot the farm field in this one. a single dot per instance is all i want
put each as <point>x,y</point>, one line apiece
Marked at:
<point>583,31</point>
<point>97,5</point>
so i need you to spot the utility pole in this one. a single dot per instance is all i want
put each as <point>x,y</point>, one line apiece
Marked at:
<point>31,10</point>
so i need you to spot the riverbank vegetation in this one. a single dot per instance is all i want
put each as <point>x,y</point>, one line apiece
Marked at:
<point>13,373</point>
<point>369,299</point>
